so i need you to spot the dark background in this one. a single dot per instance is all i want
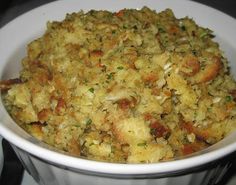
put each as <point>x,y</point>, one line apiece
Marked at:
<point>9,9</point>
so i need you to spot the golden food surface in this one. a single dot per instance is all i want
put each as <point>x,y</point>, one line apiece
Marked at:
<point>134,86</point>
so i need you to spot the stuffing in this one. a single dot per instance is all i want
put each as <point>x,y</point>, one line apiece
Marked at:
<point>133,86</point>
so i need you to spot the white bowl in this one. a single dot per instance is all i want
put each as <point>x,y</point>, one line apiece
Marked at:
<point>49,166</point>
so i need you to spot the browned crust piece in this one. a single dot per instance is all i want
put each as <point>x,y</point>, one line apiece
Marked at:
<point>7,84</point>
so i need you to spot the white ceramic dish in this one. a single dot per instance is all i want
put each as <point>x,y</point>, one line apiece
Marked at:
<point>28,180</point>
<point>48,166</point>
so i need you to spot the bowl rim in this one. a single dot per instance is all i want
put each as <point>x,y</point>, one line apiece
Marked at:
<point>106,167</point>
<point>59,159</point>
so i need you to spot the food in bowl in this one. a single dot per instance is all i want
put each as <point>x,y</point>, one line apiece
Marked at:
<point>134,86</point>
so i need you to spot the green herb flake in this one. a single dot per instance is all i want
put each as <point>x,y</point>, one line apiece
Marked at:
<point>161,29</point>
<point>142,161</point>
<point>153,131</point>
<point>110,76</point>
<point>142,144</point>
<point>113,149</point>
<point>125,26</point>
<point>209,109</point>
<point>204,34</point>
<point>120,67</point>
<point>91,90</point>
<point>228,98</point>
<point>89,121</point>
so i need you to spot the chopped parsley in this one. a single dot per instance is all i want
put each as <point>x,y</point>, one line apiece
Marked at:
<point>91,90</point>
<point>228,98</point>
<point>110,76</point>
<point>120,67</point>
<point>89,121</point>
<point>142,144</point>
<point>204,34</point>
